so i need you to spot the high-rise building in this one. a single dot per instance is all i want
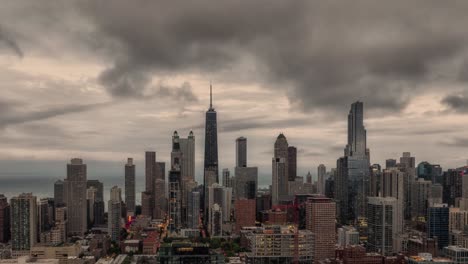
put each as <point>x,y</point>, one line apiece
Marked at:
<point>279,186</point>
<point>216,221</point>
<point>210,175</point>
<point>348,236</point>
<point>320,219</point>
<point>187,147</point>
<point>193,209</point>
<point>390,163</point>
<point>130,186</point>
<point>175,218</point>
<point>241,152</point>
<point>46,211</point>
<point>292,163</point>
<point>23,223</point>
<point>409,163</point>
<point>75,197</point>
<point>227,180</point>
<point>245,213</point>
<point>437,225</point>
<point>115,213</point>
<point>91,196</point>
<point>99,187</point>
<point>420,190</point>
<point>150,167</point>
<point>393,186</point>
<point>4,219</point>
<point>146,201</point>
<point>58,193</point>
<point>453,186</point>
<point>353,170</point>
<point>159,200</point>
<point>245,182</point>
<point>429,172</point>
<point>222,196</point>
<point>321,174</point>
<point>381,216</point>
<point>309,178</point>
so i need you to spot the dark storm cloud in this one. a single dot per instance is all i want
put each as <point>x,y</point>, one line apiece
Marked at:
<point>7,40</point>
<point>323,55</point>
<point>457,102</point>
<point>14,114</point>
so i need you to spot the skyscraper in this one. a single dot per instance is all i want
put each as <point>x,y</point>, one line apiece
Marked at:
<point>99,187</point>
<point>438,224</point>
<point>46,214</point>
<point>75,197</point>
<point>320,219</point>
<point>353,170</point>
<point>210,175</point>
<point>130,186</point>
<point>381,224</point>
<point>187,147</point>
<point>193,209</point>
<point>4,219</point>
<point>280,186</point>
<point>321,173</point>
<point>245,213</point>
<point>24,223</point>
<point>241,152</point>
<point>174,201</point>
<point>390,163</point>
<point>58,193</point>
<point>159,200</point>
<point>150,167</point>
<point>245,182</point>
<point>115,213</point>
<point>227,180</point>
<point>292,163</point>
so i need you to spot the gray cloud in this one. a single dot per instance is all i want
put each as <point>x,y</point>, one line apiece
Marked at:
<point>459,142</point>
<point>457,102</point>
<point>10,43</point>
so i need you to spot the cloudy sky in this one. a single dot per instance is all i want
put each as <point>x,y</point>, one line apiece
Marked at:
<point>107,80</point>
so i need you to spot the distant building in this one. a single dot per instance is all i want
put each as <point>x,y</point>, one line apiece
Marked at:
<point>115,213</point>
<point>420,190</point>
<point>321,174</point>
<point>175,217</point>
<point>245,213</point>
<point>292,163</point>
<point>58,193</point>
<point>46,211</point>
<point>438,224</point>
<point>347,236</point>
<point>390,163</point>
<point>187,252</point>
<point>241,152</point>
<point>429,172</point>
<point>130,186</point>
<point>64,253</point>
<point>381,222</point>
<point>75,197</point>
<point>193,209</point>
<point>281,241</point>
<point>245,182</point>
<point>320,220</point>
<point>216,221</point>
<point>227,180</point>
<point>4,219</point>
<point>23,223</point>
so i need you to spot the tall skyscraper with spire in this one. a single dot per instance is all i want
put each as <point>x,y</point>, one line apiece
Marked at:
<point>353,170</point>
<point>211,151</point>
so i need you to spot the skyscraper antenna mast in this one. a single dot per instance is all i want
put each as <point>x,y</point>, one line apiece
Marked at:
<point>211,96</point>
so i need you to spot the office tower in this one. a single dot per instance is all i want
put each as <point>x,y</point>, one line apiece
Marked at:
<point>309,178</point>
<point>91,196</point>
<point>221,196</point>
<point>420,190</point>
<point>437,224</point>
<point>75,197</point>
<point>210,175</point>
<point>381,224</point>
<point>99,186</point>
<point>174,200</point>
<point>393,186</point>
<point>435,195</point>
<point>187,147</point>
<point>193,209</point>
<point>375,180</point>
<point>130,186</point>
<point>115,213</point>
<point>292,163</point>
<point>276,244</point>
<point>279,186</point>
<point>23,223</point>
<point>348,236</point>
<point>330,187</point>
<point>320,219</point>
<point>227,180</point>
<point>4,219</point>
<point>146,201</point>
<point>58,193</point>
<point>245,213</point>
<point>245,182</point>
<point>353,170</point>
<point>241,152</point>
<point>390,163</point>
<point>321,174</point>
<point>150,167</point>
<point>46,212</point>
<point>59,231</point>
<point>429,172</point>
<point>453,186</point>
<point>216,221</point>
<point>159,199</point>
<point>409,163</point>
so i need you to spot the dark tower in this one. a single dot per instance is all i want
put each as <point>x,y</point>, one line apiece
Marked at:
<point>211,150</point>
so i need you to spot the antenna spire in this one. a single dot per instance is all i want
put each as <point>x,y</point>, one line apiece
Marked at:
<point>211,96</point>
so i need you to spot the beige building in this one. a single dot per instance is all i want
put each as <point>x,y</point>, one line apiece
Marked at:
<point>62,253</point>
<point>320,220</point>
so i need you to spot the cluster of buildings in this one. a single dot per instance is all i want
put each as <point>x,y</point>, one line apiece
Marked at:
<point>357,212</point>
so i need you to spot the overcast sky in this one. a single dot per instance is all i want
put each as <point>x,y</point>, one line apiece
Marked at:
<point>107,80</point>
